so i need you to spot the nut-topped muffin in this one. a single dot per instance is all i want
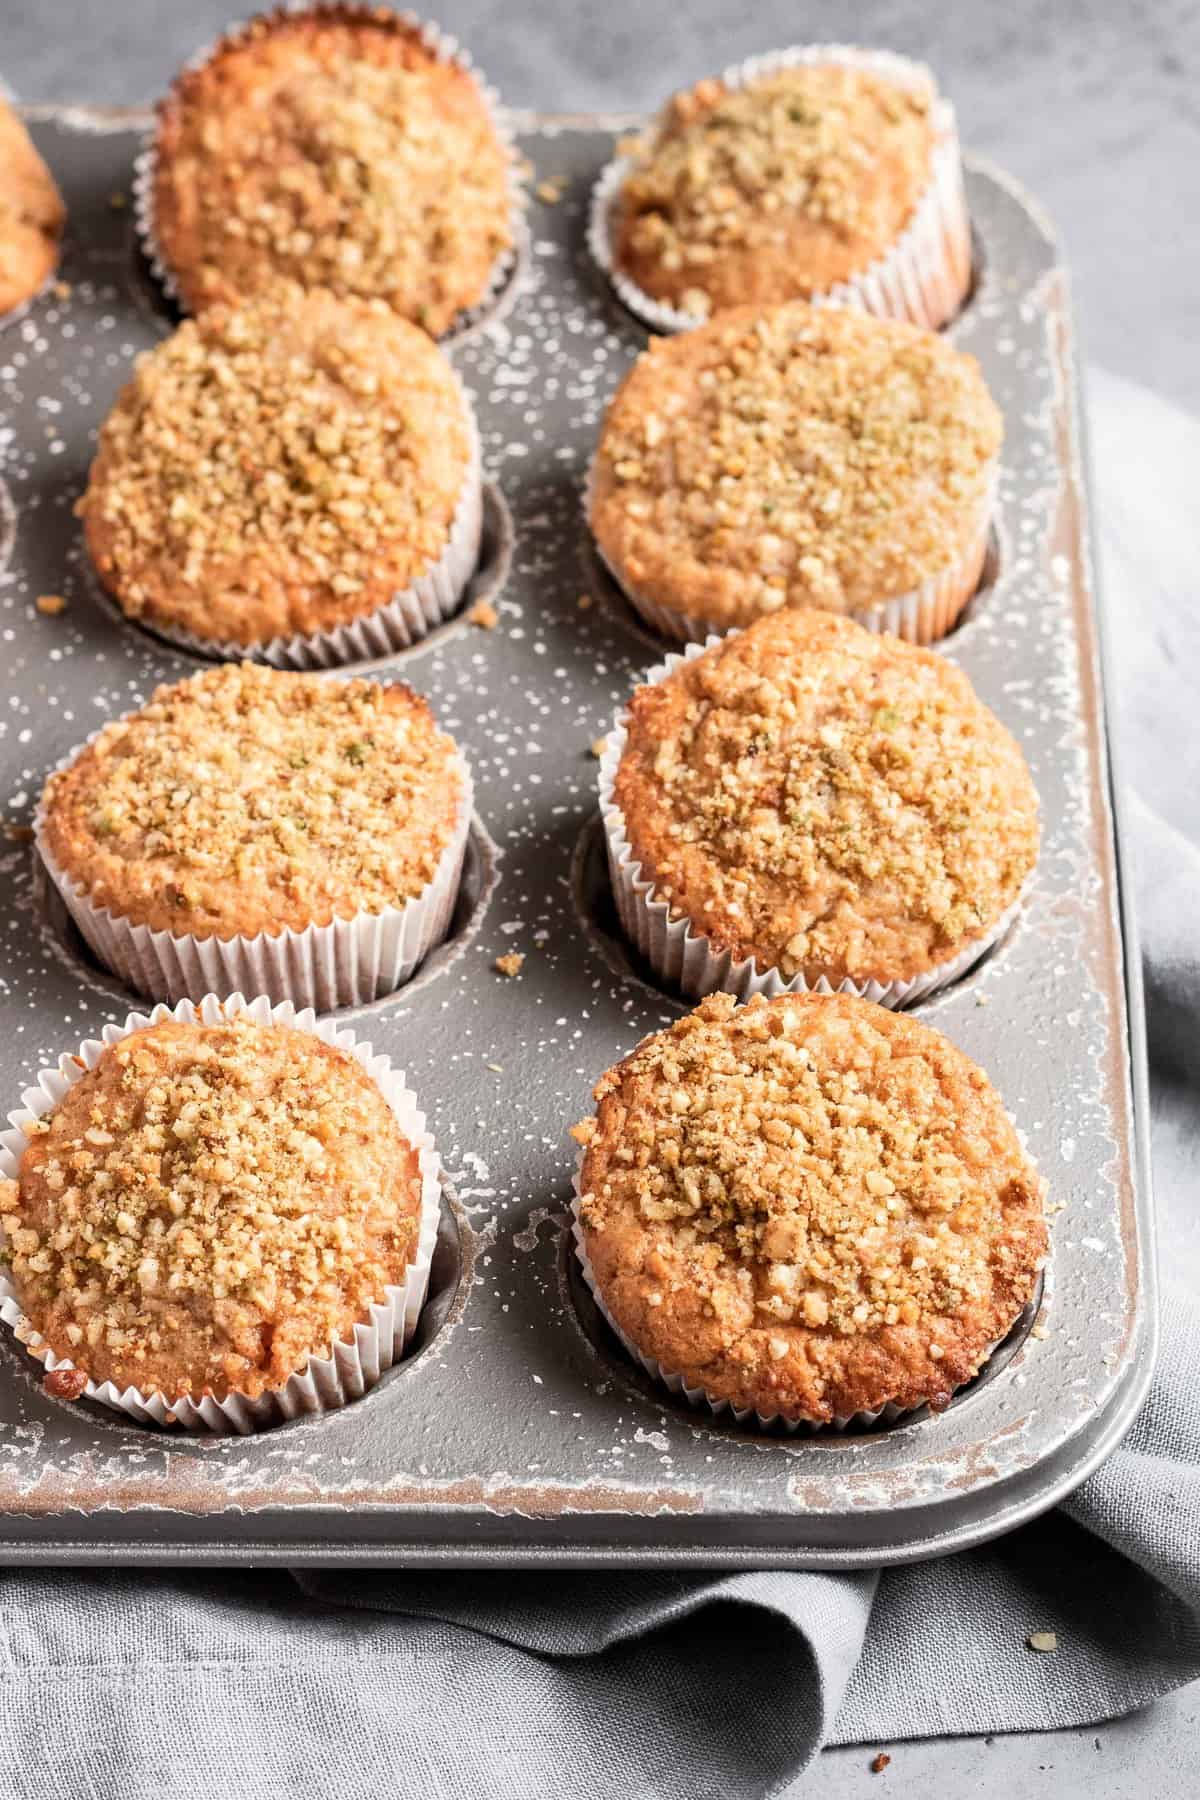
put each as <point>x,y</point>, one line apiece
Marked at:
<point>809,1208</point>
<point>209,1206</point>
<point>283,833</point>
<point>340,147</point>
<point>32,216</point>
<point>279,475</point>
<point>798,457</point>
<point>814,174</point>
<point>807,801</point>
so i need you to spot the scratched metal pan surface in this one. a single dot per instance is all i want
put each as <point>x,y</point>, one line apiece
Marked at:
<point>518,1432</point>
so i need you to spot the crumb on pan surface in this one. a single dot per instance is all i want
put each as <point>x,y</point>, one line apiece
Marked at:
<point>809,1206</point>
<point>827,800</point>
<point>279,468</point>
<point>337,149</point>
<point>209,1206</point>
<point>32,215</point>
<point>793,456</point>
<point>776,190</point>
<point>245,799</point>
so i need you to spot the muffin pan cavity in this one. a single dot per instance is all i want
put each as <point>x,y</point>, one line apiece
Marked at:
<point>519,1436</point>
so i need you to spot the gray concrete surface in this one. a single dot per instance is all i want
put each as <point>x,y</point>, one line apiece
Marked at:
<point>1093,104</point>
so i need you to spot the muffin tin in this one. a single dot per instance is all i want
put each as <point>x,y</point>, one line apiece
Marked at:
<point>517,1431</point>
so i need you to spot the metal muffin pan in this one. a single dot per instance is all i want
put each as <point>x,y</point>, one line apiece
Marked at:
<point>518,1432</point>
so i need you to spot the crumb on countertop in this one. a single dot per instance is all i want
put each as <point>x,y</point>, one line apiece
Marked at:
<point>50,604</point>
<point>483,614</point>
<point>598,746</point>
<point>879,1762</point>
<point>1043,1641</point>
<point>551,190</point>
<point>584,602</point>
<point>509,965</point>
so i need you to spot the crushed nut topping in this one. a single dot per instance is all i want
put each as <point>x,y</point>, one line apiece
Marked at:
<point>510,965</point>
<point>811,1162</point>
<point>827,800</point>
<point>336,152</point>
<point>209,1206</point>
<point>282,465</point>
<point>793,457</point>
<point>245,798</point>
<point>778,189</point>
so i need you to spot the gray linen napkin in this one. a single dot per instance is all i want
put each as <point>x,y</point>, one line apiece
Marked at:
<point>656,1686</point>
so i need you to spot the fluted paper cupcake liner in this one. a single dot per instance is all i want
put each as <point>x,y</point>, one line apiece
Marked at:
<point>922,616</point>
<point>446,49</point>
<point>345,963</point>
<point>925,275</point>
<point>700,1397</point>
<point>684,958</point>
<point>403,620</point>
<point>327,1382</point>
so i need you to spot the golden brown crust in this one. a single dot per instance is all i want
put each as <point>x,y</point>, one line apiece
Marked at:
<point>809,1206</point>
<point>246,800</point>
<point>32,215</point>
<point>336,149</point>
<point>778,190</point>
<point>209,1206</point>
<point>796,456</point>
<point>284,467</point>
<point>827,800</point>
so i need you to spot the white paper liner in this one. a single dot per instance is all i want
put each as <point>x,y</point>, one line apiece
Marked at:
<point>446,49</point>
<point>345,963</point>
<point>326,1383</point>
<point>924,277</point>
<point>922,616</point>
<point>403,620</point>
<point>700,1397</point>
<point>683,958</point>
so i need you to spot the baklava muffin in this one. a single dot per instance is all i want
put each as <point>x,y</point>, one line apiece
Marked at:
<point>824,174</point>
<point>798,457</point>
<point>340,147</point>
<point>809,1209</point>
<point>209,1207</point>
<point>807,802</point>
<point>268,832</point>
<point>32,216</point>
<point>296,479</point>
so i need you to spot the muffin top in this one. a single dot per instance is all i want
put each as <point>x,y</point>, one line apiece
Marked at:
<point>32,215</point>
<point>278,468</point>
<point>808,1206</point>
<point>827,800</point>
<point>209,1206</point>
<point>246,800</point>
<point>777,190</point>
<point>337,149</point>
<point>796,456</point>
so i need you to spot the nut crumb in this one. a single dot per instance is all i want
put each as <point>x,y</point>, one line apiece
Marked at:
<point>496,1068</point>
<point>550,191</point>
<point>584,602</point>
<point>598,746</point>
<point>62,290</point>
<point>484,614</point>
<point>50,604</point>
<point>880,1762</point>
<point>1044,1642</point>
<point>65,1384</point>
<point>510,965</point>
<point>1039,1331</point>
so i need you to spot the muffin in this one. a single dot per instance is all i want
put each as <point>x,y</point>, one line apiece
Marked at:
<point>200,1210</point>
<point>32,216</point>
<point>825,174</point>
<point>257,831</point>
<point>340,147</point>
<point>809,803</point>
<point>795,457</point>
<point>808,1209</point>
<point>296,479</point>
